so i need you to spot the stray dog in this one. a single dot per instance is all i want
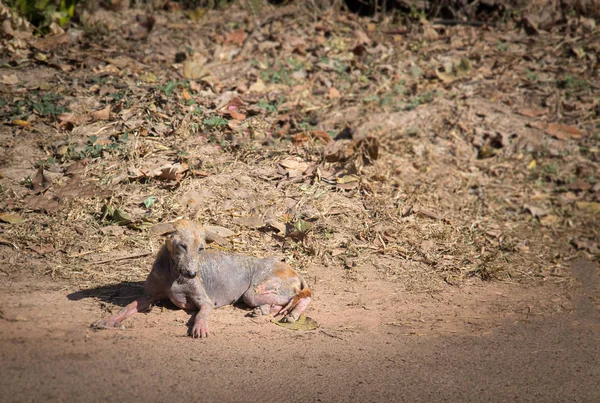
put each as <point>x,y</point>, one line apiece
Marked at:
<point>200,280</point>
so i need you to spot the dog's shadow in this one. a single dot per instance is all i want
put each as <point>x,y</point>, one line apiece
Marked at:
<point>120,294</point>
<point>125,292</point>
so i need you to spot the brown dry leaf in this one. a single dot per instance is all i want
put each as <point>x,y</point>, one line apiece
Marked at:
<point>102,114</point>
<point>279,226</point>
<point>293,167</point>
<point>40,183</point>
<point>347,186</point>
<point>237,115</point>
<point>185,94</point>
<point>236,37</point>
<point>362,37</point>
<point>43,249</point>
<point>195,69</point>
<point>40,203</point>
<point>11,79</point>
<point>11,218</point>
<point>429,32</point>
<point>173,172</point>
<point>213,231</point>
<point>250,221</point>
<point>563,132</point>
<point>579,185</point>
<point>334,94</point>
<point>113,230</point>
<point>586,244</point>
<point>196,199</point>
<point>76,168</point>
<point>102,142</point>
<point>69,120</point>
<point>339,151</point>
<point>49,43</point>
<point>347,182</point>
<point>259,86</point>
<point>537,212</point>
<point>369,147</point>
<point>589,207</point>
<point>532,112</point>
<point>427,213</point>
<point>337,251</point>
<point>318,135</point>
<point>76,187</point>
<point>549,220</point>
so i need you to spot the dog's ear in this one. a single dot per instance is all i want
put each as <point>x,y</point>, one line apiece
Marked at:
<point>164,228</point>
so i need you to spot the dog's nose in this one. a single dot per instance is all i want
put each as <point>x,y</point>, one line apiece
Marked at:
<point>189,274</point>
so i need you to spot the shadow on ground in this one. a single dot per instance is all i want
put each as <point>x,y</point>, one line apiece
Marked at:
<point>125,292</point>
<point>121,293</point>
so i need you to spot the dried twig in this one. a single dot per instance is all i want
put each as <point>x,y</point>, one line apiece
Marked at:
<point>133,256</point>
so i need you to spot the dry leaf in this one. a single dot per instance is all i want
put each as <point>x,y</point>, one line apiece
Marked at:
<point>43,249</point>
<point>22,123</point>
<point>250,221</point>
<point>40,183</point>
<point>215,230</point>
<point>11,79</point>
<point>549,220</point>
<point>40,203</point>
<point>303,323</point>
<point>194,69</point>
<point>237,37</point>
<point>102,114</point>
<point>293,167</point>
<point>277,225</point>
<point>173,172</point>
<point>362,37</point>
<point>579,185</point>
<point>334,94</point>
<point>10,218</point>
<point>563,132</point>
<point>236,115</point>
<point>428,213</point>
<point>589,207</point>
<point>532,113</point>
<point>259,86</point>
<point>76,187</point>
<point>113,230</point>
<point>537,212</point>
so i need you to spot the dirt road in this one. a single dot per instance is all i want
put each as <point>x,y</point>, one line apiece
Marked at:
<point>484,342</point>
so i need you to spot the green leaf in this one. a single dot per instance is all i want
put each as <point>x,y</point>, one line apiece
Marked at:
<point>149,201</point>
<point>215,121</point>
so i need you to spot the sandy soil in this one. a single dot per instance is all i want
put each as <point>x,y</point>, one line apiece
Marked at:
<point>486,342</point>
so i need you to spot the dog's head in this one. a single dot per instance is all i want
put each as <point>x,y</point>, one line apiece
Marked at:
<point>185,242</point>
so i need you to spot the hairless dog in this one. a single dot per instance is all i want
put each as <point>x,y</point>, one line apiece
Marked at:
<point>200,280</point>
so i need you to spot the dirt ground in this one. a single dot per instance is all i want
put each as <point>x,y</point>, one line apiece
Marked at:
<point>484,342</point>
<point>437,186</point>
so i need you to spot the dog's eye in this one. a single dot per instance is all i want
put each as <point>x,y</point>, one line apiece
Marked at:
<point>182,246</point>
<point>201,248</point>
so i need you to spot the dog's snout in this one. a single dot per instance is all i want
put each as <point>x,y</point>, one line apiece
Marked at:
<point>190,274</point>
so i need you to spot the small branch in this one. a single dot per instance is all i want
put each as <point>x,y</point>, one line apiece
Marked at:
<point>115,259</point>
